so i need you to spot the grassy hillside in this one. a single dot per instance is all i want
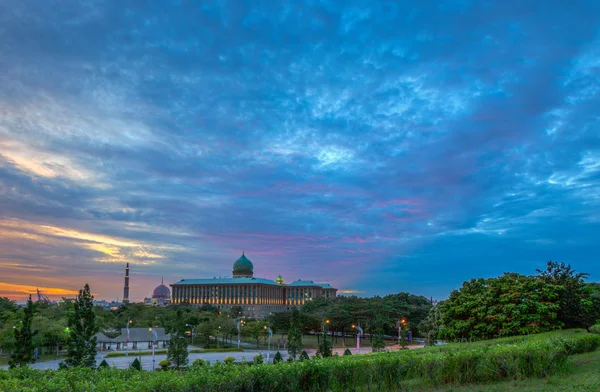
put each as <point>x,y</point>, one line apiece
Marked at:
<point>477,366</point>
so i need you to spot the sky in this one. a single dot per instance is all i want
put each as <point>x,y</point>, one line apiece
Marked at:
<point>380,146</point>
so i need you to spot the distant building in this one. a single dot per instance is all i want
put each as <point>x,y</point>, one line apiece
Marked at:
<point>137,338</point>
<point>161,295</point>
<point>257,296</point>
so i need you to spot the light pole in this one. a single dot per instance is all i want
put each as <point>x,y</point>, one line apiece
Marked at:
<point>401,323</point>
<point>218,333</point>
<point>269,342</point>
<point>359,333</point>
<point>193,329</point>
<point>239,323</point>
<point>153,330</point>
<point>127,340</point>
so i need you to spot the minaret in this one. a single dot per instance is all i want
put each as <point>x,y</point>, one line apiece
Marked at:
<point>126,288</point>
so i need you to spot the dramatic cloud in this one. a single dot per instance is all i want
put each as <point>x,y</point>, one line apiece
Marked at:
<point>377,146</point>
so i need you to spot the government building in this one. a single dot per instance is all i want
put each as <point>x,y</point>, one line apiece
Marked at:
<point>256,296</point>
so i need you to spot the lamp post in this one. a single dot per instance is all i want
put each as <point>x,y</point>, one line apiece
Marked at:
<point>193,329</point>
<point>218,333</point>
<point>127,340</point>
<point>359,333</point>
<point>153,330</point>
<point>401,324</point>
<point>269,342</point>
<point>239,322</point>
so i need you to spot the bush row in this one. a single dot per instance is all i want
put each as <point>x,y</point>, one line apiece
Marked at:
<point>381,371</point>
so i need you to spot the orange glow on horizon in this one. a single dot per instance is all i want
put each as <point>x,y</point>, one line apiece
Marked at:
<point>17,291</point>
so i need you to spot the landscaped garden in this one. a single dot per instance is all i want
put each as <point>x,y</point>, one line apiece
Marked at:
<point>531,360</point>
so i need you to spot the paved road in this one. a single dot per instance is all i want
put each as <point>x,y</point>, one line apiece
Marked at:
<point>247,354</point>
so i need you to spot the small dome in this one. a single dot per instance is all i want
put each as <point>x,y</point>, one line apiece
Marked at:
<point>243,264</point>
<point>279,279</point>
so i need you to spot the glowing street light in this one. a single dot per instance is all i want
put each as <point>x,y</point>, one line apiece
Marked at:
<point>269,342</point>
<point>359,333</point>
<point>193,328</point>
<point>153,330</point>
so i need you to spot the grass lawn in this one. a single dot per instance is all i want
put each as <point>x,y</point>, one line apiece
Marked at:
<point>43,358</point>
<point>582,374</point>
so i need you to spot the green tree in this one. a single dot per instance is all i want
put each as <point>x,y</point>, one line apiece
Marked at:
<point>378,343</point>
<point>136,365</point>
<point>347,352</point>
<point>304,356</point>
<point>295,334</point>
<point>509,305</point>
<point>277,358</point>
<point>81,348</point>
<point>430,326</point>
<point>325,346</point>
<point>23,347</point>
<point>575,296</point>
<point>177,352</point>
<point>255,330</point>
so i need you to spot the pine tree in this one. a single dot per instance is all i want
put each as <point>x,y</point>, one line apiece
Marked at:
<point>136,365</point>
<point>23,354</point>
<point>177,352</point>
<point>277,358</point>
<point>347,352</point>
<point>304,356</point>
<point>378,343</point>
<point>103,364</point>
<point>295,334</point>
<point>81,349</point>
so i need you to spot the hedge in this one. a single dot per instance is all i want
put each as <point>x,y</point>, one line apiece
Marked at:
<point>381,371</point>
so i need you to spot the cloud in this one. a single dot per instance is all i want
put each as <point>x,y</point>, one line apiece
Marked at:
<point>20,292</point>
<point>317,137</point>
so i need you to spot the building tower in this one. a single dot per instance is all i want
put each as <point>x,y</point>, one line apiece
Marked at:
<point>126,288</point>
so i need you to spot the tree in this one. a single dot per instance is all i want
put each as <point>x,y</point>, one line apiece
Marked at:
<point>136,365</point>
<point>347,352</point>
<point>304,356</point>
<point>81,348</point>
<point>575,296</point>
<point>295,334</point>
<point>325,347</point>
<point>509,305</point>
<point>177,352</point>
<point>255,330</point>
<point>103,364</point>
<point>23,353</point>
<point>430,326</point>
<point>378,343</point>
<point>277,358</point>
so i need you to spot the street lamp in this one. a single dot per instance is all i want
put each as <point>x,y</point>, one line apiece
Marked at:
<point>269,342</point>
<point>193,329</point>
<point>127,340</point>
<point>239,322</point>
<point>358,334</point>
<point>153,330</point>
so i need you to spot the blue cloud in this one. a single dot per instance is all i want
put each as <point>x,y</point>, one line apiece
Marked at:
<point>380,147</point>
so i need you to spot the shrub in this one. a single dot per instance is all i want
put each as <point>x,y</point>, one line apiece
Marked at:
<point>438,366</point>
<point>277,358</point>
<point>258,359</point>
<point>229,360</point>
<point>136,365</point>
<point>103,364</point>
<point>290,359</point>
<point>165,364</point>
<point>595,329</point>
<point>347,352</point>
<point>304,356</point>
<point>198,362</point>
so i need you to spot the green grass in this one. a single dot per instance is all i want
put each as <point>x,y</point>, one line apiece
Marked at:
<point>557,361</point>
<point>43,358</point>
<point>581,374</point>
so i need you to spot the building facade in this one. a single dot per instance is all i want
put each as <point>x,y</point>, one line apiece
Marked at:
<point>256,296</point>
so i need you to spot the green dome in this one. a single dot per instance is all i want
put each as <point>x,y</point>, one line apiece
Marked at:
<point>243,264</point>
